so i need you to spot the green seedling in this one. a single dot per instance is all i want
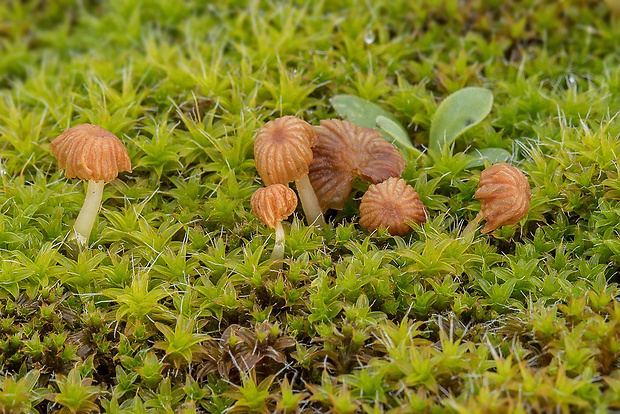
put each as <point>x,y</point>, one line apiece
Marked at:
<point>457,113</point>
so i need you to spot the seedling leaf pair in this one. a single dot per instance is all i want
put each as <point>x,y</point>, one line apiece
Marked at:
<point>459,112</point>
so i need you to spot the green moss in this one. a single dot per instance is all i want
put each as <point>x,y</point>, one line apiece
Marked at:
<point>175,308</point>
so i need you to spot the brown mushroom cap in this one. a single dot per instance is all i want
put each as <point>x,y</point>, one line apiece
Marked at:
<point>391,204</point>
<point>504,194</point>
<point>90,152</point>
<point>273,204</point>
<point>283,150</point>
<point>345,151</point>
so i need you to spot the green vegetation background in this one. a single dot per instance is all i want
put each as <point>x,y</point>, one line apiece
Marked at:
<point>174,309</point>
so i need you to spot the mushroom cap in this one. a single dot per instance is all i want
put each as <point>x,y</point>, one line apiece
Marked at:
<point>345,151</point>
<point>504,195</point>
<point>391,204</point>
<point>273,204</point>
<point>90,152</point>
<point>283,150</point>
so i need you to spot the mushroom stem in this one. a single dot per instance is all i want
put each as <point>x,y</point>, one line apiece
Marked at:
<point>86,219</point>
<point>278,248</point>
<point>472,226</point>
<point>309,202</point>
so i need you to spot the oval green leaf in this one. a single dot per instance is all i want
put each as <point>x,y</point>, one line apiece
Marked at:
<point>396,133</point>
<point>366,114</point>
<point>493,155</point>
<point>358,110</point>
<point>459,112</point>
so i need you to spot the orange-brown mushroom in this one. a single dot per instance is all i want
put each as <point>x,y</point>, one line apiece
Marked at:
<point>283,153</point>
<point>504,195</point>
<point>393,205</point>
<point>345,151</point>
<point>271,205</point>
<point>94,154</point>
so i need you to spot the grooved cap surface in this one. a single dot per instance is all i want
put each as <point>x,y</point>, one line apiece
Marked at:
<point>90,152</point>
<point>391,204</point>
<point>504,195</point>
<point>273,204</point>
<point>345,151</point>
<point>283,150</point>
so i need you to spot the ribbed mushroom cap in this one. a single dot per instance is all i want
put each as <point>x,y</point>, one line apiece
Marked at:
<point>345,151</point>
<point>504,195</point>
<point>391,205</point>
<point>90,152</point>
<point>273,204</point>
<point>283,150</point>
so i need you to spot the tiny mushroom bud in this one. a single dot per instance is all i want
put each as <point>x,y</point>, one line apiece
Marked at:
<point>392,204</point>
<point>271,205</point>
<point>345,151</point>
<point>504,195</point>
<point>283,153</point>
<point>90,153</point>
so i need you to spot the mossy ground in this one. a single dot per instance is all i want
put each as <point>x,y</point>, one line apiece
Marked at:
<point>174,308</point>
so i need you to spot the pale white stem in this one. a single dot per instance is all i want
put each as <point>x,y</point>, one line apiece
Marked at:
<point>86,219</point>
<point>278,248</point>
<point>472,226</point>
<point>309,202</point>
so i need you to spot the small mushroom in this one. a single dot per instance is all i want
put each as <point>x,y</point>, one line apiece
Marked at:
<point>391,204</point>
<point>90,153</point>
<point>283,153</point>
<point>345,151</point>
<point>504,195</point>
<point>271,205</point>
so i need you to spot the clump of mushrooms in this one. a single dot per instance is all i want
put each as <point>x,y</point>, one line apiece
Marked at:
<point>504,194</point>
<point>393,205</point>
<point>271,205</point>
<point>345,151</point>
<point>94,154</point>
<point>283,153</point>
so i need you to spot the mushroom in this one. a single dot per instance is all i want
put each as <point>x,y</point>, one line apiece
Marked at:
<point>392,204</point>
<point>504,195</point>
<point>283,153</point>
<point>91,153</point>
<point>344,151</point>
<point>271,205</point>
